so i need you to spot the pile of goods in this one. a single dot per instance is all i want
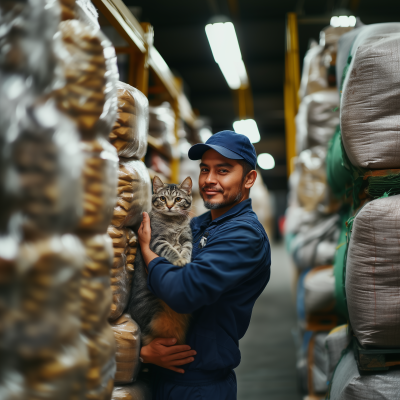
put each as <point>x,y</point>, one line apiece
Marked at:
<point>363,177</point>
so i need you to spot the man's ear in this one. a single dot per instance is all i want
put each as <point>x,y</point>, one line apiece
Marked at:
<point>157,184</point>
<point>250,179</point>
<point>186,185</point>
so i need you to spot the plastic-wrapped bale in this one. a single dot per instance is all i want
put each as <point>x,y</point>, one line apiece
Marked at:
<point>134,193</point>
<point>67,9</point>
<point>86,12</point>
<point>99,185</point>
<point>319,288</point>
<point>129,133</point>
<point>131,254</point>
<point>337,341</point>
<point>127,337</point>
<point>318,364</point>
<point>315,244</point>
<point>372,273</point>
<point>313,193</point>
<point>369,116</point>
<point>317,119</point>
<point>96,301</point>
<point>348,384</point>
<point>119,277</point>
<point>137,391</point>
<point>85,86</point>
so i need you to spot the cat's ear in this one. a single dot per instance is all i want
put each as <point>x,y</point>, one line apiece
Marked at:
<point>157,184</point>
<point>186,185</point>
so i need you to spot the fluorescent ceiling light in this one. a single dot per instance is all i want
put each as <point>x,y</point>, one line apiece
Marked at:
<point>265,161</point>
<point>226,51</point>
<point>343,21</point>
<point>205,134</point>
<point>248,127</point>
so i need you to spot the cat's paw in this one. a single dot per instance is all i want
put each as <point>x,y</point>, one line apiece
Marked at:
<point>180,262</point>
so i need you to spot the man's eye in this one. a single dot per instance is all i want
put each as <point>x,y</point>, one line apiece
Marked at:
<point>223,170</point>
<point>178,199</point>
<point>162,198</point>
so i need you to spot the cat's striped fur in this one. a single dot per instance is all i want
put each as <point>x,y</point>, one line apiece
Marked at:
<point>172,239</point>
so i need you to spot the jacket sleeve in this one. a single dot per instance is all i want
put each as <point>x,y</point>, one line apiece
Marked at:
<point>230,257</point>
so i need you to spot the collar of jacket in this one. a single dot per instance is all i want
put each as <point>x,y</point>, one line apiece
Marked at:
<point>235,211</point>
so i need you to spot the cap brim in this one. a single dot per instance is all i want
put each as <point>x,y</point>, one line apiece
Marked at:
<point>197,151</point>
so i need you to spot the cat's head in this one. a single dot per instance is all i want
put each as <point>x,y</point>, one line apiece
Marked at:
<point>171,199</point>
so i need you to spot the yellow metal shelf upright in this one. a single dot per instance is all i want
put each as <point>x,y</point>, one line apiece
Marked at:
<point>142,57</point>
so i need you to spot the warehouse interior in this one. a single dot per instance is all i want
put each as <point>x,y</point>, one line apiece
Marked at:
<point>101,100</point>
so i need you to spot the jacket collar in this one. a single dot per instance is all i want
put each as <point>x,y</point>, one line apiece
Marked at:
<point>239,209</point>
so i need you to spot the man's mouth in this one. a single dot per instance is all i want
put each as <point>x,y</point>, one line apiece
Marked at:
<point>211,191</point>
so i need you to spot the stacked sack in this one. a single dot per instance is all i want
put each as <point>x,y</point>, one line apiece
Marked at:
<point>43,354</point>
<point>85,91</point>
<point>314,213</point>
<point>129,137</point>
<point>367,263</point>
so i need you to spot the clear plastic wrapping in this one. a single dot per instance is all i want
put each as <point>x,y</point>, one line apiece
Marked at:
<point>119,276</point>
<point>67,9</point>
<point>129,133</point>
<point>131,255</point>
<point>99,183</point>
<point>372,274</point>
<point>127,336</point>
<point>337,340</point>
<point>134,193</point>
<point>87,13</point>
<point>48,296</point>
<point>136,391</point>
<point>86,79</point>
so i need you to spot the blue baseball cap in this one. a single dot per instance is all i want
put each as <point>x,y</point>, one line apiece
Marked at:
<point>229,144</point>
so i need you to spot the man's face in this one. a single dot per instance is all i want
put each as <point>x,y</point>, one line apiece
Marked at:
<point>221,180</point>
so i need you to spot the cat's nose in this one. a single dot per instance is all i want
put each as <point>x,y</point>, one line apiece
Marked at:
<point>170,205</point>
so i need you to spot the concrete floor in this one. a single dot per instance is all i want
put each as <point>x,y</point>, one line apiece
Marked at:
<point>267,370</point>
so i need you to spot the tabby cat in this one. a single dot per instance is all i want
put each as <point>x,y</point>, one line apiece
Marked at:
<point>172,239</point>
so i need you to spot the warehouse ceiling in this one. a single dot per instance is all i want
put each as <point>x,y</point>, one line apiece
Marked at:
<point>260,24</point>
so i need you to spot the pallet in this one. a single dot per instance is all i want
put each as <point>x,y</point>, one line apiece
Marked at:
<point>375,359</point>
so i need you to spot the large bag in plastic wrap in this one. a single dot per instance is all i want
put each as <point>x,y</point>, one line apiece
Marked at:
<point>318,363</point>
<point>99,185</point>
<point>317,119</point>
<point>137,391</point>
<point>337,341</point>
<point>85,86</point>
<point>127,337</point>
<point>313,193</point>
<point>373,273</point>
<point>129,133</point>
<point>369,117</point>
<point>348,384</point>
<point>134,193</point>
<point>319,289</point>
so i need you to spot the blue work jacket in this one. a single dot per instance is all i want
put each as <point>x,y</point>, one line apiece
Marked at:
<point>230,268</point>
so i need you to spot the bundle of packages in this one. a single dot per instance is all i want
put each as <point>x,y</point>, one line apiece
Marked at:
<point>319,288</point>
<point>315,244</point>
<point>86,12</point>
<point>129,133</point>
<point>349,384</point>
<point>318,364</point>
<point>127,337</point>
<point>368,119</point>
<point>96,301</point>
<point>131,254</point>
<point>85,86</point>
<point>372,273</point>
<point>134,193</point>
<point>137,391</point>
<point>317,119</point>
<point>335,343</point>
<point>99,185</point>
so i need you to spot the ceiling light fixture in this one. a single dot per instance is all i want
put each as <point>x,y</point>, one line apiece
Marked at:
<point>249,128</point>
<point>226,51</point>
<point>343,21</point>
<point>265,161</point>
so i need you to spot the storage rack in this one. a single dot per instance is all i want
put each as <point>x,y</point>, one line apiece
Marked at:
<point>143,57</point>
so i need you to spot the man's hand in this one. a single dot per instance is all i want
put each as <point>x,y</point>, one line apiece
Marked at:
<point>163,353</point>
<point>144,236</point>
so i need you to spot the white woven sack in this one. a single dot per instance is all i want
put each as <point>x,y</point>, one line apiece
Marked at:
<point>317,119</point>
<point>370,118</point>
<point>373,273</point>
<point>348,384</point>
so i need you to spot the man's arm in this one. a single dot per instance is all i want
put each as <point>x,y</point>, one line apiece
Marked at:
<point>223,264</point>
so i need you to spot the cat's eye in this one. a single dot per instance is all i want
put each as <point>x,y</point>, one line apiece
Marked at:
<point>162,198</point>
<point>178,199</point>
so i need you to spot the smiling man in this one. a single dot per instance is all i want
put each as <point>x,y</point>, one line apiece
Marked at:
<point>230,268</point>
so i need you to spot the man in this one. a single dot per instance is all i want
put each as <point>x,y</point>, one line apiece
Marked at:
<point>230,268</point>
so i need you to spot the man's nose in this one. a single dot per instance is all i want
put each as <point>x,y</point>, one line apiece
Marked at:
<point>211,177</point>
